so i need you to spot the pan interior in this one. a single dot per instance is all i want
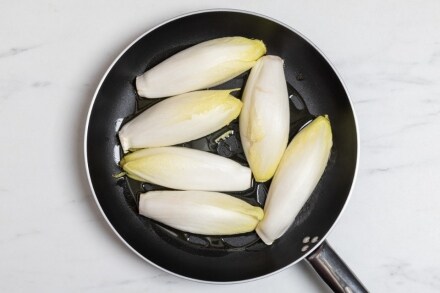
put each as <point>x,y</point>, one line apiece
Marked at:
<point>314,89</point>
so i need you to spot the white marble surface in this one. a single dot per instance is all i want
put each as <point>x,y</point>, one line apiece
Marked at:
<point>52,56</point>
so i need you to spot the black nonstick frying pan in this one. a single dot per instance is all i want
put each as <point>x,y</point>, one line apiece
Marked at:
<point>314,89</point>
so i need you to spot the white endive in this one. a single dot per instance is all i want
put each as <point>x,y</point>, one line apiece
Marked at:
<point>300,169</point>
<point>201,66</point>
<point>180,119</point>
<point>200,212</point>
<point>187,169</point>
<point>264,119</point>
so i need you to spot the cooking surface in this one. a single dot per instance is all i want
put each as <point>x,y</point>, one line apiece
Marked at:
<point>52,57</point>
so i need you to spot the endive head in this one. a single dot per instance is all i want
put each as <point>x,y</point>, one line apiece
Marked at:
<point>180,119</point>
<point>264,121</point>
<point>202,66</point>
<point>201,212</point>
<point>300,170</point>
<point>186,169</point>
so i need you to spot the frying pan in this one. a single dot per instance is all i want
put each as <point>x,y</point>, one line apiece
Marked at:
<point>314,89</point>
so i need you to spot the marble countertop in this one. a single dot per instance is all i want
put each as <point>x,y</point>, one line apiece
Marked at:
<point>52,56</point>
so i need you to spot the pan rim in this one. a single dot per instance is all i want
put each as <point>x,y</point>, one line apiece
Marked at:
<point>317,244</point>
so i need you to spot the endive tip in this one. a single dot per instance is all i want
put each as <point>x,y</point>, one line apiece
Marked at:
<point>259,213</point>
<point>122,162</point>
<point>324,121</point>
<point>260,47</point>
<point>325,116</point>
<point>263,177</point>
<point>256,50</point>
<point>128,170</point>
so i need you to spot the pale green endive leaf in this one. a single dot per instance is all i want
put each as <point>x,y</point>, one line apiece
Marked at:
<point>186,169</point>
<point>264,119</point>
<point>301,167</point>
<point>180,119</point>
<point>201,66</point>
<point>200,212</point>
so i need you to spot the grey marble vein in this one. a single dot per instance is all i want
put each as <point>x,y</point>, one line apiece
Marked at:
<point>431,100</point>
<point>16,51</point>
<point>433,113</point>
<point>435,57</point>
<point>20,236</point>
<point>39,84</point>
<point>116,283</point>
<point>391,168</point>
<point>398,131</point>
<point>401,272</point>
<point>411,80</point>
<point>367,101</point>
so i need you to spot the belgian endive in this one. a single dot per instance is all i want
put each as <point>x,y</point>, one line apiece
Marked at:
<point>180,119</point>
<point>187,169</point>
<point>301,167</point>
<point>200,212</point>
<point>201,66</point>
<point>264,119</point>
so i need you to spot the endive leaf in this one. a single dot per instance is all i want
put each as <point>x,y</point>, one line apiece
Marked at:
<point>200,212</point>
<point>201,66</point>
<point>187,169</point>
<point>180,119</point>
<point>301,167</point>
<point>264,119</point>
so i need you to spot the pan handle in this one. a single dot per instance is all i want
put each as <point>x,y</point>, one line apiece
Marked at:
<point>332,269</point>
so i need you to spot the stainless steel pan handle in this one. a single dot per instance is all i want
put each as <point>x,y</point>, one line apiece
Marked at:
<point>332,269</point>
